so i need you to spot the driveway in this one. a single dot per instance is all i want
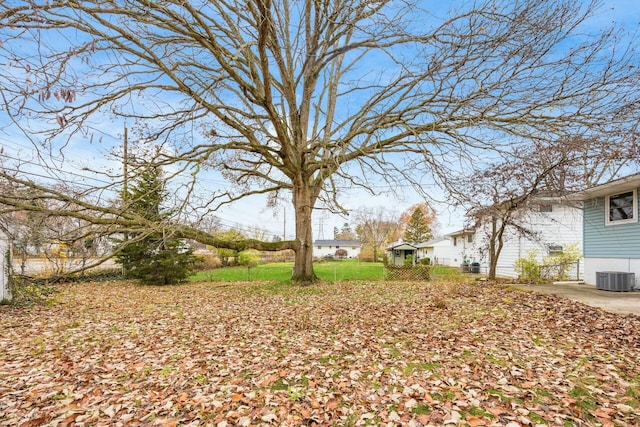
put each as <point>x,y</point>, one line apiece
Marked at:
<point>615,302</point>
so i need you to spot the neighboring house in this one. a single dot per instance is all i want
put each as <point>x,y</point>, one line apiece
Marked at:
<point>553,224</point>
<point>399,252</point>
<point>322,248</point>
<point>463,248</point>
<point>611,228</point>
<point>5,291</point>
<point>436,250</point>
<point>451,250</point>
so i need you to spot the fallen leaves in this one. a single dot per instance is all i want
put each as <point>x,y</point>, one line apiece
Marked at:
<point>331,354</point>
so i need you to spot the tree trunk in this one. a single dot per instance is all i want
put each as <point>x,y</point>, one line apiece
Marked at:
<point>303,267</point>
<point>493,259</point>
<point>495,246</point>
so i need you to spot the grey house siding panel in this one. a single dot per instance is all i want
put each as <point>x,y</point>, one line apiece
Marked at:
<point>613,241</point>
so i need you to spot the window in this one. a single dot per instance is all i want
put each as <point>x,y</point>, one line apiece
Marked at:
<point>470,238</point>
<point>455,241</point>
<point>397,252</point>
<point>555,250</point>
<point>621,208</point>
<point>545,208</point>
<point>319,247</point>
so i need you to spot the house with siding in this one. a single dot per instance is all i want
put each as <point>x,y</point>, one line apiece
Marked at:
<point>450,250</point>
<point>436,250</point>
<point>463,248</point>
<point>551,224</point>
<point>323,248</point>
<point>611,228</point>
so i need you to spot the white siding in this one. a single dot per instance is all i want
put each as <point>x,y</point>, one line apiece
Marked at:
<point>444,252</point>
<point>562,226</point>
<point>320,251</point>
<point>461,249</point>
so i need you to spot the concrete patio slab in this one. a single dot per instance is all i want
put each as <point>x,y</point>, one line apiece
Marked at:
<point>615,302</point>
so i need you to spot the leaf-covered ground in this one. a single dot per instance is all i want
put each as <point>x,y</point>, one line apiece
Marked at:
<point>333,354</point>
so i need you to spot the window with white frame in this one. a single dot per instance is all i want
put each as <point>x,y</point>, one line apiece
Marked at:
<point>621,208</point>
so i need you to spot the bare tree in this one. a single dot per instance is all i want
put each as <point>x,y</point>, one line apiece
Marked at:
<point>506,192</point>
<point>302,98</point>
<point>374,227</point>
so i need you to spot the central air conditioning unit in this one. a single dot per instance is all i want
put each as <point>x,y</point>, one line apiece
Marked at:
<point>617,281</point>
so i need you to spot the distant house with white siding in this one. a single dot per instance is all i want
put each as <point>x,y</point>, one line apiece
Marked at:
<point>463,249</point>
<point>451,250</point>
<point>323,248</point>
<point>611,228</point>
<point>555,224</point>
<point>435,250</point>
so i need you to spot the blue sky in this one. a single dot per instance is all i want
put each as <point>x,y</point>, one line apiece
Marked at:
<point>254,211</point>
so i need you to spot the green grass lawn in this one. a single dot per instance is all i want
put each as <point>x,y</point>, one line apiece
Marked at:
<point>329,271</point>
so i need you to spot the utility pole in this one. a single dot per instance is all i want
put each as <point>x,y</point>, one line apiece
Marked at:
<point>125,183</point>
<point>284,225</point>
<point>321,228</point>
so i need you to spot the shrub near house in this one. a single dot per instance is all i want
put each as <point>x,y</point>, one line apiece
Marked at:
<point>553,267</point>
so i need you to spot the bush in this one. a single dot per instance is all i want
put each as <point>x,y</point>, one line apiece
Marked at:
<point>249,258</point>
<point>528,268</point>
<point>563,261</point>
<point>365,257</point>
<point>425,261</point>
<point>228,257</point>
<point>96,276</point>
<point>341,253</point>
<point>27,292</point>
<point>208,262</point>
<point>169,265</point>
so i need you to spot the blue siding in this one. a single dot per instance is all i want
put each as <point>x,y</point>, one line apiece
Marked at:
<point>612,241</point>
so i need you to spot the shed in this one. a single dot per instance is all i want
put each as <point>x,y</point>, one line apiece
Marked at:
<point>399,252</point>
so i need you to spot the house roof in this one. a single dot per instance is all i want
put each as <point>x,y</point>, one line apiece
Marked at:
<point>430,243</point>
<point>462,232</point>
<point>336,243</point>
<point>402,246</point>
<point>613,187</point>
